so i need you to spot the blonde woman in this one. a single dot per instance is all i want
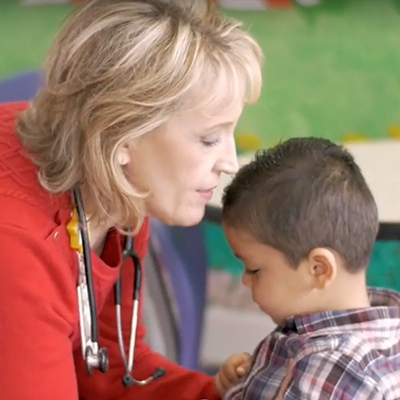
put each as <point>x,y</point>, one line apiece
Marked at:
<point>137,112</point>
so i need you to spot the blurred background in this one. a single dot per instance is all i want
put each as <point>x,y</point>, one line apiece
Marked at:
<point>331,70</point>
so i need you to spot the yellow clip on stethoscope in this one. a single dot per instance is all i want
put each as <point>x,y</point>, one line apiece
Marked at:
<point>94,356</point>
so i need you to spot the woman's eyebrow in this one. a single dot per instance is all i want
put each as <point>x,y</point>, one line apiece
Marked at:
<point>226,124</point>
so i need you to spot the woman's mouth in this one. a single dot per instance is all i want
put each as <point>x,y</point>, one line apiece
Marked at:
<point>205,194</point>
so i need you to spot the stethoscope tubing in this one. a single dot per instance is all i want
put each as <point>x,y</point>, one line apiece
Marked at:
<point>93,356</point>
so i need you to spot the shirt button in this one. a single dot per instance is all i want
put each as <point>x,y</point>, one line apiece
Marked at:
<point>55,236</point>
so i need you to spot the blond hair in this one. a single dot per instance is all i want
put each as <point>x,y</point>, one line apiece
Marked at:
<point>118,70</point>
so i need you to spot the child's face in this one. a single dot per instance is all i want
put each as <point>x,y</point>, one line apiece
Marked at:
<point>279,289</point>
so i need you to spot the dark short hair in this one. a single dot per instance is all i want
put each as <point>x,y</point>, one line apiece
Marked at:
<point>302,194</point>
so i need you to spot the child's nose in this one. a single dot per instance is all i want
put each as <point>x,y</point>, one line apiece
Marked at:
<point>246,280</point>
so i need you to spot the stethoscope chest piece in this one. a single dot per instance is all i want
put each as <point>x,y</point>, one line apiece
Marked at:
<point>98,361</point>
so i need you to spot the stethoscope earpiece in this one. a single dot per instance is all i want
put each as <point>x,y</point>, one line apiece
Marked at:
<point>158,373</point>
<point>128,380</point>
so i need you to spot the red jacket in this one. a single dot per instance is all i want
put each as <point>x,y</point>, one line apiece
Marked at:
<point>40,355</point>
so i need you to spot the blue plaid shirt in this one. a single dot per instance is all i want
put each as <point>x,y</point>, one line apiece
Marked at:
<point>340,355</point>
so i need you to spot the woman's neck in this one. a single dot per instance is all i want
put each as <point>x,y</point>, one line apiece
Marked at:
<point>97,230</point>
<point>97,236</point>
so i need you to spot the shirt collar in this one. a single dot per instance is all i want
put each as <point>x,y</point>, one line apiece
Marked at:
<point>385,305</point>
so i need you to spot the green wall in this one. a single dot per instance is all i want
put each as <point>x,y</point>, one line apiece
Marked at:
<point>26,33</point>
<point>330,70</point>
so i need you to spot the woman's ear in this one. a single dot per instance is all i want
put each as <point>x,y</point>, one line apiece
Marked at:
<point>123,155</point>
<point>322,265</point>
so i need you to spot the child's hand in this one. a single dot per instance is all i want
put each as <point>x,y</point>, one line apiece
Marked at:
<point>231,370</point>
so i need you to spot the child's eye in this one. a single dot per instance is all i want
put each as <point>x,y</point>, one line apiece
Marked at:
<point>251,271</point>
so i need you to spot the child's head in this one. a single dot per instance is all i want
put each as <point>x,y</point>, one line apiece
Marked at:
<point>303,221</point>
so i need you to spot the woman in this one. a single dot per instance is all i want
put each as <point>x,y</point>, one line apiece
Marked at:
<point>137,112</point>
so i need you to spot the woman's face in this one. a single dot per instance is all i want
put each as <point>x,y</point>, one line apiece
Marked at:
<point>181,163</point>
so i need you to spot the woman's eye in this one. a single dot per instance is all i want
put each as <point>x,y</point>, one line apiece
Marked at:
<point>210,142</point>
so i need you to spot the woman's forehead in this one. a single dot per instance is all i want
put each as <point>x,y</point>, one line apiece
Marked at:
<point>224,114</point>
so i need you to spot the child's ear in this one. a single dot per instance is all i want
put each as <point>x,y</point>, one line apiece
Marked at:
<point>322,267</point>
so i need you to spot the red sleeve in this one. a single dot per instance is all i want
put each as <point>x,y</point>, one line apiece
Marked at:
<point>35,321</point>
<point>177,384</point>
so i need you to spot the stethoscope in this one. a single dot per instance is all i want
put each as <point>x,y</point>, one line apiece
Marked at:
<point>94,356</point>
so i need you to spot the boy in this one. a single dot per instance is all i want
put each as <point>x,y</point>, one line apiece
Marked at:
<point>303,221</point>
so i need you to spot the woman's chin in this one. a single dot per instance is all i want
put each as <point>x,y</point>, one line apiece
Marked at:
<point>180,218</point>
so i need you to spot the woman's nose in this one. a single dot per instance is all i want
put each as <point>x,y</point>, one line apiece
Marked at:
<point>228,163</point>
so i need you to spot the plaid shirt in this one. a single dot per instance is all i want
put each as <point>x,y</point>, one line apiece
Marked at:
<point>340,355</point>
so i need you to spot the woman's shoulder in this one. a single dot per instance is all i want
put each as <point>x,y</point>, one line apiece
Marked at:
<point>16,169</point>
<point>9,110</point>
<point>8,114</point>
<point>22,200</point>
